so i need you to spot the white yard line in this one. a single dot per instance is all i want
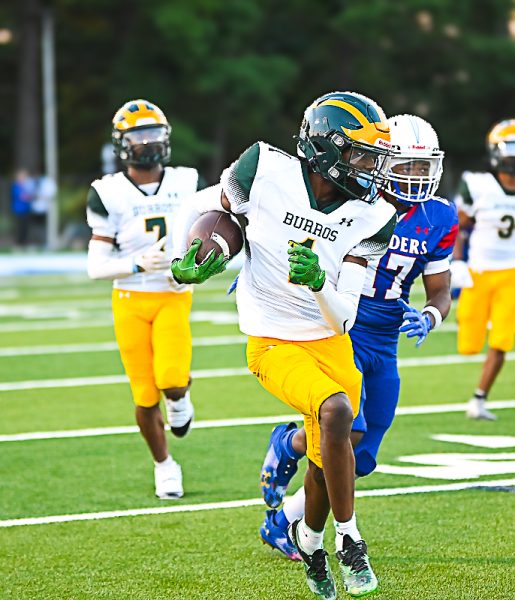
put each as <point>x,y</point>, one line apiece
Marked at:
<point>32,310</point>
<point>446,359</point>
<point>109,380</point>
<point>136,512</point>
<point>447,408</point>
<point>84,322</point>
<point>101,431</point>
<point>55,324</point>
<point>225,340</point>
<point>83,291</point>
<point>215,423</point>
<point>112,346</point>
<point>451,359</point>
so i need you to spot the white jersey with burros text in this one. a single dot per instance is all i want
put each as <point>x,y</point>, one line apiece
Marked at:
<point>119,209</point>
<point>270,192</point>
<point>492,241</point>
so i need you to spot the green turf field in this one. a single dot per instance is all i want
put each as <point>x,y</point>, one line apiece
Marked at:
<point>60,371</point>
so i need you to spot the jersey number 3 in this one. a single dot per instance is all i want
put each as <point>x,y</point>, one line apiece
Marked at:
<point>506,231</point>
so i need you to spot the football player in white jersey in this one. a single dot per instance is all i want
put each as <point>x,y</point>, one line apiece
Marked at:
<point>130,214</point>
<point>423,240</point>
<point>312,223</point>
<point>486,203</point>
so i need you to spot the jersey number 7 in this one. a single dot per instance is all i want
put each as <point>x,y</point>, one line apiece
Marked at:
<point>156,222</point>
<point>402,265</point>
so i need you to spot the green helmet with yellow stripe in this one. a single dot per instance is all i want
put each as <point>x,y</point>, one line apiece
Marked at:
<point>345,138</point>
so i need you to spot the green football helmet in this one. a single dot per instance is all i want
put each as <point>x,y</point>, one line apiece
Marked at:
<point>345,138</point>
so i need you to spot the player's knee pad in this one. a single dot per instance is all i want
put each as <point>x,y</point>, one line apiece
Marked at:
<point>145,393</point>
<point>501,340</point>
<point>171,378</point>
<point>468,347</point>
<point>471,338</point>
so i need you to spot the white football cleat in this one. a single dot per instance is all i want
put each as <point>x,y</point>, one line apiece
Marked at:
<point>476,409</point>
<point>180,415</point>
<point>168,480</point>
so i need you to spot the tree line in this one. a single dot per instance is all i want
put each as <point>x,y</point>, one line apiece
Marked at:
<point>229,72</point>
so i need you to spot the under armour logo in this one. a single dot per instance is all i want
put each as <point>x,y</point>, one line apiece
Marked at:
<point>419,229</point>
<point>346,221</point>
<point>124,294</point>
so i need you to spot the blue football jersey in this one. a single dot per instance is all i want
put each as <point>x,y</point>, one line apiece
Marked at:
<point>424,238</point>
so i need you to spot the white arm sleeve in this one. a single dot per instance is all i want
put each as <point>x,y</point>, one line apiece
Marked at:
<point>103,263</point>
<point>339,306</point>
<point>191,209</point>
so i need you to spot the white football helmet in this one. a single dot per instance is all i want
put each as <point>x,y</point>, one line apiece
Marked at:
<point>415,169</point>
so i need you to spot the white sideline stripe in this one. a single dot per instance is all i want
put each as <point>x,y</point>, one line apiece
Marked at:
<point>55,324</point>
<point>225,340</point>
<point>447,408</point>
<point>86,322</point>
<point>78,322</point>
<point>451,359</point>
<point>94,301</point>
<point>108,380</point>
<point>136,512</point>
<point>210,424</point>
<point>99,431</point>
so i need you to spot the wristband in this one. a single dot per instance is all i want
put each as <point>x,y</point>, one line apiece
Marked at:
<point>437,315</point>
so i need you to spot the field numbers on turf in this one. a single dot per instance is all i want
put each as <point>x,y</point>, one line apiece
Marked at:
<point>458,465</point>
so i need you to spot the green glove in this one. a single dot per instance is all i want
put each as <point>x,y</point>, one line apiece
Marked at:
<point>185,270</point>
<point>304,267</point>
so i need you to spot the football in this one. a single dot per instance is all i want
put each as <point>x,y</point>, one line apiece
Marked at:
<point>216,229</point>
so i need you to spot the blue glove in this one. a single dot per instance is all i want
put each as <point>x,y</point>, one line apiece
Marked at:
<point>418,323</point>
<point>233,285</point>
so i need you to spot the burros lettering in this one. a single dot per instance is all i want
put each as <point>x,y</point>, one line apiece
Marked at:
<point>310,226</point>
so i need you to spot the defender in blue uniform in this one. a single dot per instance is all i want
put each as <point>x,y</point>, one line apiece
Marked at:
<point>421,245</point>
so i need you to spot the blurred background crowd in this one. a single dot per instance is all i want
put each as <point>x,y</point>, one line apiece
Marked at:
<point>227,73</point>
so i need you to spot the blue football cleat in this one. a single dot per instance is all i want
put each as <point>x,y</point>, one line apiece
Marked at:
<point>278,468</point>
<point>276,537</point>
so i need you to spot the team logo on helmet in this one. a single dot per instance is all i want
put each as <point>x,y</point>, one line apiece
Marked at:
<point>345,137</point>
<point>141,134</point>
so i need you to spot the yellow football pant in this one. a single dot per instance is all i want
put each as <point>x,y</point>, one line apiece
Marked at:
<point>304,374</point>
<point>154,336</point>
<point>491,299</point>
